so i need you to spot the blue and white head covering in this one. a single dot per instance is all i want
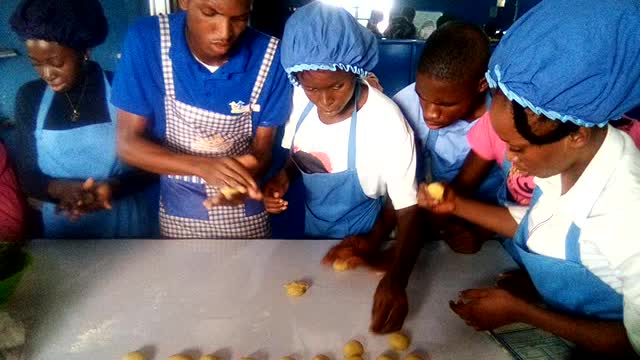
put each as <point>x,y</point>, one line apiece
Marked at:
<point>320,36</point>
<point>572,60</point>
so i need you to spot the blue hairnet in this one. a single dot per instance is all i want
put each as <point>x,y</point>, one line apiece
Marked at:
<point>319,36</point>
<point>572,60</point>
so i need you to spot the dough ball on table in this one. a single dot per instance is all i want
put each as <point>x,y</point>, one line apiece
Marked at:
<point>353,348</point>
<point>340,265</point>
<point>287,358</point>
<point>436,191</point>
<point>384,357</point>
<point>209,357</point>
<point>399,341</point>
<point>180,357</point>
<point>413,357</point>
<point>321,357</point>
<point>296,288</point>
<point>354,357</point>
<point>134,356</point>
<point>246,358</point>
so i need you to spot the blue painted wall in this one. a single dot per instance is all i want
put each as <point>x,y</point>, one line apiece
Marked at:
<point>16,71</point>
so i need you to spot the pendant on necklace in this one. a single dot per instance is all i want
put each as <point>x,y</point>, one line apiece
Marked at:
<point>75,115</point>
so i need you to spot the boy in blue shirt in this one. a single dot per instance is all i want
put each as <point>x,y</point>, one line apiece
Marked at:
<point>200,96</point>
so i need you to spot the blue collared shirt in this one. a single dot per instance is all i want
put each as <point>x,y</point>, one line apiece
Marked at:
<point>138,86</point>
<point>451,146</point>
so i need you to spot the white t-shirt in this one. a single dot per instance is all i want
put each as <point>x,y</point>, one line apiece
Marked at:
<point>385,148</point>
<point>609,240</point>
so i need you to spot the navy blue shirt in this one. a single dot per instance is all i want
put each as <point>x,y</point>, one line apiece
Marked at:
<point>138,86</point>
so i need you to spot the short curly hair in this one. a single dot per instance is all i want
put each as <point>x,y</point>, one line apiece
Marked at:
<point>77,24</point>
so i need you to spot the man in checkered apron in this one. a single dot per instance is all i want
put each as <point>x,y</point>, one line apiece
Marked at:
<point>200,95</point>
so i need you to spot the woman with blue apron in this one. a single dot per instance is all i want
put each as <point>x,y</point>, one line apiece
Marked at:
<point>578,240</point>
<point>67,128</point>
<point>340,149</point>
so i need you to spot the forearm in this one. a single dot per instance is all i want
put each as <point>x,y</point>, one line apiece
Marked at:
<point>408,245</point>
<point>142,153</point>
<point>494,218</point>
<point>606,337</point>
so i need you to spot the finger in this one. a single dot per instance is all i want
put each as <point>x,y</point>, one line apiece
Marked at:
<point>379,317</point>
<point>396,318</point>
<point>240,173</point>
<point>472,294</point>
<point>88,184</point>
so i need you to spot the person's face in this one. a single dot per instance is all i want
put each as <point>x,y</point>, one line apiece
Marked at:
<point>330,91</point>
<point>444,102</point>
<point>214,26</point>
<point>533,160</point>
<point>58,65</point>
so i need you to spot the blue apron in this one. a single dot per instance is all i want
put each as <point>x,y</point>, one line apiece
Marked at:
<point>335,204</point>
<point>566,285</point>
<point>79,154</point>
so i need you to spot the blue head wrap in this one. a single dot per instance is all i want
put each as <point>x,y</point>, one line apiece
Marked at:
<point>319,36</point>
<point>572,60</point>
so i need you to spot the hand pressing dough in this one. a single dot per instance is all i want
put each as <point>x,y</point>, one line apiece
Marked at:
<point>134,356</point>
<point>353,348</point>
<point>180,357</point>
<point>320,357</point>
<point>399,341</point>
<point>340,265</point>
<point>296,288</point>
<point>436,191</point>
<point>413,357</point>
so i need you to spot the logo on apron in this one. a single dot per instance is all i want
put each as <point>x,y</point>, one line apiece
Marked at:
<point>239,107</point>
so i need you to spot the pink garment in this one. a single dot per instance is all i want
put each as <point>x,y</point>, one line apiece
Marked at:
<point>11,206</point>
<point>486,144</point>
<point>633,129</point>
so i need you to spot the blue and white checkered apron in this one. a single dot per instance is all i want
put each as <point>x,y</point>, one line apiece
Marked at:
<point>187,129</point>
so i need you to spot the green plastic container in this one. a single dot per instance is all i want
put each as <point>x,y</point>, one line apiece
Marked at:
<point>9,285</point>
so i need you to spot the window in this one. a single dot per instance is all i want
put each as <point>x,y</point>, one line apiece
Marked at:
<point>361,9</point>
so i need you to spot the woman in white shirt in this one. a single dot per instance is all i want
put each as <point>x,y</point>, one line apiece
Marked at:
<point>562,72</point>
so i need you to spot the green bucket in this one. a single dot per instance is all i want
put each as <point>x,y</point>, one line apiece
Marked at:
<point>9,284</point>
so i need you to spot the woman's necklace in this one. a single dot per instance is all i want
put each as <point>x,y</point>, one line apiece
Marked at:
<point>75,114</point>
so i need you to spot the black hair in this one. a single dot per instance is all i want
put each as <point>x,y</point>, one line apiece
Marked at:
<point>456,52</point>
<point>408,12</point>
<point>77,24</point>
<point>542,130</point>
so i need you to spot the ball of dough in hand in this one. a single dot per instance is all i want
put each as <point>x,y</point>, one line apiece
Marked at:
<point>399,341</point>
<point>134,356</point>
<point>353,348</point>
<point>229,192</point>
<point>180,357</point>
<point>413,357</point>
<point>296,288</point>
<point>436,191</point>
<point>340,265</point>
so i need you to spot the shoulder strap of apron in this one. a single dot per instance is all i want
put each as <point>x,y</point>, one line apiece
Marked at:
<point>264,70</point>
<point>167,64</point>
<point>432,139</point>
<point>45,104</point>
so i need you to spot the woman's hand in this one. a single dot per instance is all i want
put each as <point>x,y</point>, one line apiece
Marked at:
<point>487,309</point>
<point>443,206</point>
<point>274,192</point>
